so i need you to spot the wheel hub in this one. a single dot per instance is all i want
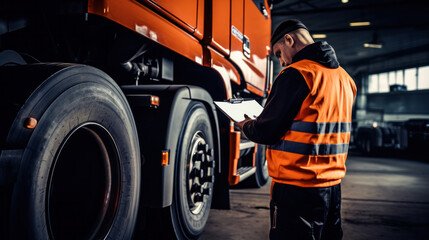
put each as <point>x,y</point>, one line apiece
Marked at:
<point>200,172</point>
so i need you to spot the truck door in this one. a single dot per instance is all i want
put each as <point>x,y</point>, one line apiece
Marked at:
<point>250,23</point>
<point>221,25</point>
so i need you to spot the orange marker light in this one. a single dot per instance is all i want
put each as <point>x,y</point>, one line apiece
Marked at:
<point>30,123</point>
<point>154,100</point>
<point>165,159</point>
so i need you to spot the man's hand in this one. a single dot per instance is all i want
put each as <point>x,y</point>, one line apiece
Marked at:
<point>241,124</point>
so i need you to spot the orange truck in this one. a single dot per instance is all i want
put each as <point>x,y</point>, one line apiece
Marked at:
<point>108,128</point>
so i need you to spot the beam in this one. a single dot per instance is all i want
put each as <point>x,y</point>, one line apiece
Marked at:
<point>394,4</point>
<point>391,55</point>
<point>372,28</point>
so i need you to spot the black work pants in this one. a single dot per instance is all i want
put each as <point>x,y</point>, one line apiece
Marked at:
<point>305,213</point>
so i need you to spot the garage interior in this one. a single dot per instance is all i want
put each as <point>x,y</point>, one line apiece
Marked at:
<point>384,45</point>
<point>88,152</point>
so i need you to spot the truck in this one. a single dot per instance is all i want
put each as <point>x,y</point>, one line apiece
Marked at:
<point>108,128</point>
<point>409,137</point>
<point>378,136</point>
<point>374,135</point>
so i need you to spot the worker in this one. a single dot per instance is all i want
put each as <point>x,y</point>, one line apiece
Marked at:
<point>306,125</point>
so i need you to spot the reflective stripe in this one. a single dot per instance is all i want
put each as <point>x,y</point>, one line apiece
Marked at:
<point>321,128</point>
<point>310,149</point>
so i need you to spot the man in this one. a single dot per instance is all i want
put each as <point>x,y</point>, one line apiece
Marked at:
<point>306,124</point>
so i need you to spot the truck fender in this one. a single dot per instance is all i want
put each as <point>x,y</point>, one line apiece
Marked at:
<point>159,129</point>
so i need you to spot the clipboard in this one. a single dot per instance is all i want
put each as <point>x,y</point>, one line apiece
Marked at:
<point>236,108</point>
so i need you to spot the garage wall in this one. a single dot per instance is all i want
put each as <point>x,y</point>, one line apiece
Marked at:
<point>409,102</point>
<point>400,106</point>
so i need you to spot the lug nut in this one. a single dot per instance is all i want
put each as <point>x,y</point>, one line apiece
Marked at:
<point>209,172</point>
<point>210,152</point>
<point>199,173</point>
<point>203,147</point>
<point>200,157</point>
<point>208,163</point>
<point>203,158</point>
<point>209,176</point>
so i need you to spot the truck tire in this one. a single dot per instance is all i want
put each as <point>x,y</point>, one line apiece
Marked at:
<point>367,147</point>
<point>193,187</point>
<point>260,178</point>
<point>80,173</point>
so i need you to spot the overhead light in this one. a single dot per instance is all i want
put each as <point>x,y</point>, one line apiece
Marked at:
<point>359,24</point>
<point>373,45</point>
<point>319,35</point>
<point>344,1</point>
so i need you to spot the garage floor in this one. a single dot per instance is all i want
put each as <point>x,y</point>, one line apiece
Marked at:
<point>383,198</point>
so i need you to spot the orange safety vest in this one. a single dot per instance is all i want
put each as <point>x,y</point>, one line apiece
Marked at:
<point>313,151</point>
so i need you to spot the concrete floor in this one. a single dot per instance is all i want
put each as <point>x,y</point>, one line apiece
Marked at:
<point>383,198</point>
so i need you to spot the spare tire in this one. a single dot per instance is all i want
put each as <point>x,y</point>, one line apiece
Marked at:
<point>80,172</point>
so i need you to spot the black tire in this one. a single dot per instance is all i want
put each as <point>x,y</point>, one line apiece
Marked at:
<point>367,147</point>
<point>80,174</point>
<point>260,178</point>
<point>193,187</point>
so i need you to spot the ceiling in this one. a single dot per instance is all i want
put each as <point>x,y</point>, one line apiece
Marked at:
<point>401,26</point>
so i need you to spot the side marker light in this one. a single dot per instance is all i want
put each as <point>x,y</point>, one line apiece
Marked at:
<point>30,123</point>
<point>154,101</point>
<point>165,158</point>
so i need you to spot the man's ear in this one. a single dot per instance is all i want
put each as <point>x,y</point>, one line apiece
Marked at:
<point>288,40</point>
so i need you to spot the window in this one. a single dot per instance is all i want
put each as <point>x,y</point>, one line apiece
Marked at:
<point>392,78</point>
<point>373,83</point>
<point>400,77</point>
<point>383,82</point>
<point>261,6</point>
<point>423,74</point>
<point>410,79</point>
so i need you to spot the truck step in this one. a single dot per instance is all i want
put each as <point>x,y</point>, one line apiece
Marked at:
<point>246,144</point>
<point>245,172</point>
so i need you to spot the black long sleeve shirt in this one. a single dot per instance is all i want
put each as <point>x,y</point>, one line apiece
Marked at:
<point>287,95</point>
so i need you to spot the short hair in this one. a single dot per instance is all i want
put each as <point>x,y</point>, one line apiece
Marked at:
<point>286,27</point>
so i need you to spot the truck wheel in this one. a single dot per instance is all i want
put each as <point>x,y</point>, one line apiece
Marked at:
<point>80,173</point>
<point>367,146</point>
<point>260,178</point>
<point>193,188</point>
